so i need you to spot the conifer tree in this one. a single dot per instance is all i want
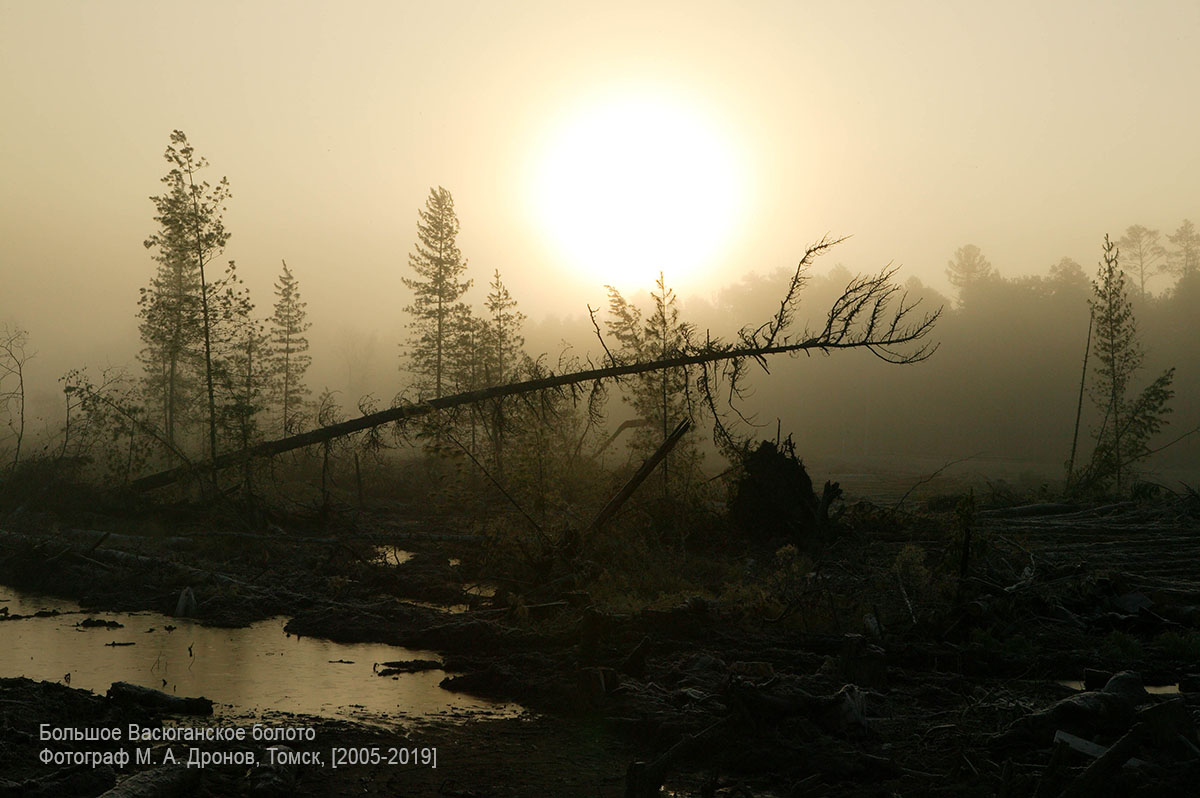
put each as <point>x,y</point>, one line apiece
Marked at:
<point>503,333</point>
<point>968,267</point>
<point>504,346</point>
<point>664,397</point>
<point>290,359</point>
<point>1184,260</point>
<point>440,317</point>
<point>1127,424</point>
<point>177,317</point>
<point>1143,252</point>
<point>240,362</point>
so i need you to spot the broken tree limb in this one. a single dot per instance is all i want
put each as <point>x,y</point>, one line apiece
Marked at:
<point>644,779</point>
<point>1091,781</point>
<point>859,319</point>
<point>632,423</point>
<point>638,478</point>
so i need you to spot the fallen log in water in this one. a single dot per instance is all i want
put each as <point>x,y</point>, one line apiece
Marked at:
<point>156,699</point>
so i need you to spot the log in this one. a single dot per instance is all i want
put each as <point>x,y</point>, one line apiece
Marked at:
<point>125,692</point>
<point>638,478</point>
<point>644,779</point>
<point>1089,748</point>
<point>1091,782</point>
<point>405,666</point>
<point>635,664</point>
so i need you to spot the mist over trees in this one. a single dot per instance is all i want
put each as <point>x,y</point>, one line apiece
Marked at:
<point>217,378</point>
<point>1127,423</point>
<point>1003,386</point>
<point>13,355</point>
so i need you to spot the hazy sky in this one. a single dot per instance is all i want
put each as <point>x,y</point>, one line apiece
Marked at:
<point>1027,128</point>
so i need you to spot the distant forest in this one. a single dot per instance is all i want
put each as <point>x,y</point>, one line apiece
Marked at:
<point>1004,381</point>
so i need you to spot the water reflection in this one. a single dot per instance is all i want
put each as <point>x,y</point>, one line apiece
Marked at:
<point>392,555</point>
<point>256,669</point>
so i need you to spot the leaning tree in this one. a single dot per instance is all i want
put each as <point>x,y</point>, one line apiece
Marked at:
<point>872,313</point>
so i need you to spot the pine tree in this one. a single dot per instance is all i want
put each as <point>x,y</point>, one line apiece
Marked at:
<point>439,316</point>
<point>968,268</point>
<point>1184,260</point>
<point>1143,252</point>
<point>1127,425</point>
<point>289,355</point>
<point>177,320</point>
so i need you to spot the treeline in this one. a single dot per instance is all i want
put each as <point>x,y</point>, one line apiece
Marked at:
<point>1005,380</point>
<point>215,375</point>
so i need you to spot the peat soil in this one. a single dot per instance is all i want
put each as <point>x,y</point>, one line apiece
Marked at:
<point>925,653</point>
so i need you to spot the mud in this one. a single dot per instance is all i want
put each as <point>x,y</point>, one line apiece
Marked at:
<point>911,684</point>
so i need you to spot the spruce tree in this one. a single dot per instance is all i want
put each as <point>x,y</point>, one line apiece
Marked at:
<point>503,333</point>
<point>440,318</point>
<point>503,345</point>
<point>662,398</point>
<point>289,356</point>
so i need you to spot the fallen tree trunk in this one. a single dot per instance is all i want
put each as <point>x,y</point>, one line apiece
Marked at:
<point>857,320</point>
<point>406,412</point>
<point>638,478</point>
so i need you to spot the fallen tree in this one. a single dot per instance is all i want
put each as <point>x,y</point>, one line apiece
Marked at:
<point>861,318</point>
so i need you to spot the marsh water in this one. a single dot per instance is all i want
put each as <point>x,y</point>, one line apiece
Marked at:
<point>255,670</point>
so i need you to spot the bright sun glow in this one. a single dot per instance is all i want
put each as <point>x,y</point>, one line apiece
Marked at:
<point>635,186</point>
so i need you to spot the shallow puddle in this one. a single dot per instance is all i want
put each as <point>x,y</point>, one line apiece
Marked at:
<point>253,670</point>
<point>393,555</point>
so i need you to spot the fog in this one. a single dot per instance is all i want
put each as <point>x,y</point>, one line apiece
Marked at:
<point>1028,131</point>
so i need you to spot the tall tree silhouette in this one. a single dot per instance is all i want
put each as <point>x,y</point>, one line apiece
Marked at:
<point>1143,252</point>
<point>968,267</point>
<point>290,358</point>
<point>1127,423</point>
<point>439,315</point>
<point>175,310</point>
<point>663,397</point>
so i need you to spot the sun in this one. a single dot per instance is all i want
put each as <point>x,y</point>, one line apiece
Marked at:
<point>635,185</point>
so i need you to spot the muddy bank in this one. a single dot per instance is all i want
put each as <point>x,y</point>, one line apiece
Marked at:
<point>893,664</point>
